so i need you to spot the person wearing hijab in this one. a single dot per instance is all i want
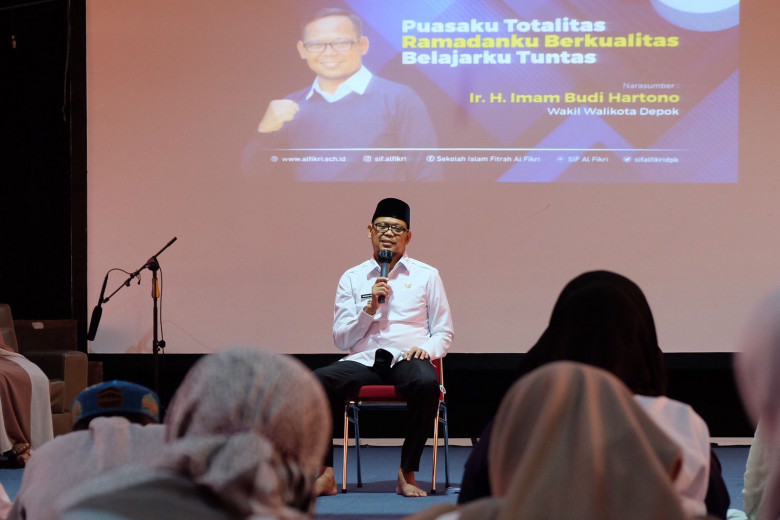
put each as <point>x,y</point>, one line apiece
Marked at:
<point>570,441</point>
<point>603,319</point>
<point>758,378</point>
<point>246,434</point>
<point>25,403</point>
<point>639,364</point>
<point>757,468</point>
<point>115,423</point>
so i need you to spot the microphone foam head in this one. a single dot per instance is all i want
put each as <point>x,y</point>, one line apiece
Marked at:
<point>385,256</point>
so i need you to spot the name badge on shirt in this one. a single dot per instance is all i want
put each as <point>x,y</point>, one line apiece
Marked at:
<point>365,296</point>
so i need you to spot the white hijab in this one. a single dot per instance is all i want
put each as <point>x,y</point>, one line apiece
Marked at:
<point>758,377</point>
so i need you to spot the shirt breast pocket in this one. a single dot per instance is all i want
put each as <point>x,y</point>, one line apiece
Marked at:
<point>410,302</point>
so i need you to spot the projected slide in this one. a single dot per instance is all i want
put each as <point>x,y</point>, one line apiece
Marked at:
<point>503,91</point>
<point>533,139</point>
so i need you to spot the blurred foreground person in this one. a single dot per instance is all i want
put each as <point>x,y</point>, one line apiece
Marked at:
<point>114,424</point>
<point>603,319</point>
<point>758,377</point>
<point>570,442</point>
<point>25,421</point>
<point>246,434</point>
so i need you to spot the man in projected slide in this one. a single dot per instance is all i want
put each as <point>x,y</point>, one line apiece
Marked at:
<point>349,107</point>
<point>391,342</point>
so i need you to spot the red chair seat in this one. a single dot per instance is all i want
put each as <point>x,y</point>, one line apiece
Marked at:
<point>379,393</point>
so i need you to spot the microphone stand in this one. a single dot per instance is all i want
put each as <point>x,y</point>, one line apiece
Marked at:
<point>153,265</point>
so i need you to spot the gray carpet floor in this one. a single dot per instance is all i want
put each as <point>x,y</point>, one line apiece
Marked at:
<point>376,499</point>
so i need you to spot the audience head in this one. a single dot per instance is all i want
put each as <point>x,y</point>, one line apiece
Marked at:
<point>569,441</point>
<point>116,398</point>
<point>603,319</point>
<point>758,377</point>
<point>251,426</point>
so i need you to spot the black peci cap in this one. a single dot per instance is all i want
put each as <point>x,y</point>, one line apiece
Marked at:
<point>392,208</point>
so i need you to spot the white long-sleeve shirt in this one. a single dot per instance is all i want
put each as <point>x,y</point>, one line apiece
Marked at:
<point>416,313</point>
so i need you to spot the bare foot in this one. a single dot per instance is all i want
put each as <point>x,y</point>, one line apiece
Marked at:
<point>326,483</point>
<point>407,485</point>
<point>24,457</point>
<point>19,454</point>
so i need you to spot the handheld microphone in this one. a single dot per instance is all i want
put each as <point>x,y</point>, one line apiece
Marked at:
<point>97,312</point>
<point>385,257</point>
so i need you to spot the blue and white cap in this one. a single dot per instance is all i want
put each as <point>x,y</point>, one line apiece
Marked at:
<point>115,398</point>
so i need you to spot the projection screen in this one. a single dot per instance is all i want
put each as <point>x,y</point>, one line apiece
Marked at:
<point>535,140</point>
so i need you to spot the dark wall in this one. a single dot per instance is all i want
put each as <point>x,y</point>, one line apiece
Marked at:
<point>43,187</point>
<point>35,182</point>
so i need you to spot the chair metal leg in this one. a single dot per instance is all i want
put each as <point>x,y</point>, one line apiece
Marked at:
<point>435,450</point>
<point>344,461</point>
<point>355,412</point>
<point>443,412</point>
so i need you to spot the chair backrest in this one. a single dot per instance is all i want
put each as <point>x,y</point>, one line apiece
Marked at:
<point>7,327</point>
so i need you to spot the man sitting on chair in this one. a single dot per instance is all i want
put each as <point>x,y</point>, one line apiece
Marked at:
<point>392,326</point>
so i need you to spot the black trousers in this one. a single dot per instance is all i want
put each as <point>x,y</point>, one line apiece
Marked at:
<point>415,379</point>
